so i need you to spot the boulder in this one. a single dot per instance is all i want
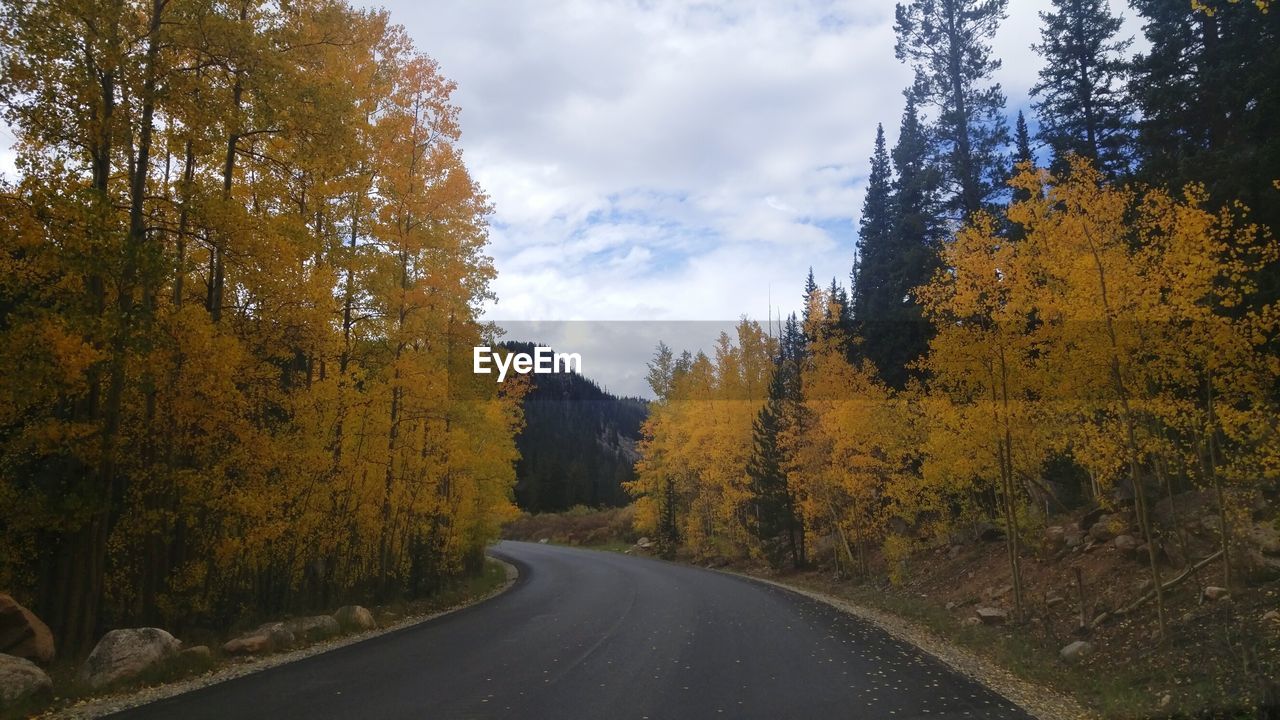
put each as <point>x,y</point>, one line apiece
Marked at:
<point>990,533</point>
<point>992,616</point>
<point>22,634</point>
<point>643,542</point>
<point>1055,536</point>
<point>1214,593</point>
<point>196,654</point>
<point>1106,528</point>
<point>1271,616</point>
<point>266,638</point>
<point>1259,566</point>
<point>1211,523</point>
<point>127,654</point>
<point>195,658</point>
<point>354,618</point>
<point>1188,507</point>
<point>1075,651</point>
<point>1126,544</point>
<point>314,628</point>
<point>1091,517</point>
<point>1265,538</point>
<point>21,681</point>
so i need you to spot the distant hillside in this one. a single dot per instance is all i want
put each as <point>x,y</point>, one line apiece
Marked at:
<point>578,444</point>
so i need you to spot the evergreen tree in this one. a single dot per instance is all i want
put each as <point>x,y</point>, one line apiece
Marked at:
<point>875,229</point>
<point>1081,97</point>
<point>1022,154</point>
<point>948,44</point>
<point>1210,102</point>
<point>891,331</point>
<point>810,287</point>
<point>1022,141</point>
<point>775,518</point>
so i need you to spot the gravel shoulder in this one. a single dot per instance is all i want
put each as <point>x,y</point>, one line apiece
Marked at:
<point>1041,702</point>
<point>100,706</point>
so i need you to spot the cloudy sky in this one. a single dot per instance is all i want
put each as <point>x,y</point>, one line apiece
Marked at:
<point>668,160</point>
<point>665,160</point>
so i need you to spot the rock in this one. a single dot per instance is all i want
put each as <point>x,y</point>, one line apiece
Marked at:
<point>1091,517</point>
<point>955,551</point>
<point>354,618</point>
<point>1055,536</point>
<point>1264,537</point>
<point>248,645</point>
<point>643,542</point>
<point>1214,593</point>
<point>1271,616</point>
<point>1166,701</point>
<point>1211,523</point>
<point>992,616</point>
<point>197,657</point>
<point>1189,506</point>
<point>1105,528</point>
<point>21,681</point>
<point>970,621</point>
<point>544,541</point>
<point>1258,566</point>
<point>127,654</point>
<point>22,634</point>
<point>951,606</point>
<point>266,638</point>
<point>315,628</point>
<point>990,533</point>
<point>1126,544</point>
<point>1075,651</point>
<point>196,653</point>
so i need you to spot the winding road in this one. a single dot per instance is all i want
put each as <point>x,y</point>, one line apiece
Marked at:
<point>597,635</point>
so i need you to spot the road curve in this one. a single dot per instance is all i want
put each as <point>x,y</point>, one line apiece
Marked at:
<point>598,635</point>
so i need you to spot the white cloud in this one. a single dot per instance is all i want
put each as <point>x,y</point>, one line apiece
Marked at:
<point>666,160</point>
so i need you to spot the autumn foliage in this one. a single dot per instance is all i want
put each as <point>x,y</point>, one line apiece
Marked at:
<point>240,274</point>
<point>1121,335</point>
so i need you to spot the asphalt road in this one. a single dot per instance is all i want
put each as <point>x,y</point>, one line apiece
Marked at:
<point>599,635</point>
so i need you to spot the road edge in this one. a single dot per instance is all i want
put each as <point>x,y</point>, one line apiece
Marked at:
<point>1037,700</point>
<point>103,706</point>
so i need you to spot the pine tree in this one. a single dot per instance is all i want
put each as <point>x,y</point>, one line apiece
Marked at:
<point>774,518</point>
<point>1023,154</point>
<point>875,229</point>
<point>1081,97</point>
<point>891,331</point>
<point>1208,98</point>
<point>1022,141</point>
<point>947,42</point>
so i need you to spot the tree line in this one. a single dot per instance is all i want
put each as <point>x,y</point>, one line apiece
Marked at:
<point>1025,330</point>
<point>242,268</point>
<point>577,446</point>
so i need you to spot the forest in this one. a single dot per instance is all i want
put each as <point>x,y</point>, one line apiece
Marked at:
<point>241,271</point>
<point>577,446</point>
<point>1033,323</point>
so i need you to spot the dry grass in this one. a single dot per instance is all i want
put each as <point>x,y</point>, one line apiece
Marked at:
<point>580,526</point>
